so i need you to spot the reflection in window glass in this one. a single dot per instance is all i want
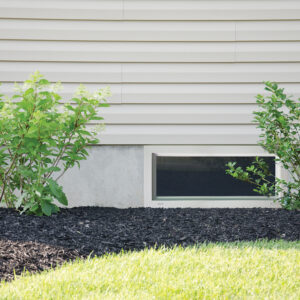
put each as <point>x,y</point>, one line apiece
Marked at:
<point>202,176</point>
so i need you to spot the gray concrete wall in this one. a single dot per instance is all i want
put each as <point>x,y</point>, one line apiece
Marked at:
<point>111,176</point>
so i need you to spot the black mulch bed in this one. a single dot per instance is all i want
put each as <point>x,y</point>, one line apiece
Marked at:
<point>36,243</point>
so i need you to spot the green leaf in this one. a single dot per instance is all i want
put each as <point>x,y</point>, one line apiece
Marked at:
<point>46,206</point>
<point>104,105</point>
<point>57,192</point>
<point>96,118</point>
<point>34,208</point>
<point>43,82</point>
<point>51,169</point>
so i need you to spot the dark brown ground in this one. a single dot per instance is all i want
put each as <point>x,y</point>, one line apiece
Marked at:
<point>37,243</point>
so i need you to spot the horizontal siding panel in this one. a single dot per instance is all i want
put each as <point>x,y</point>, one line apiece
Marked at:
<point>219,72</point>
<point>117,30</point>
<point>178,114</point>
<point>68,90</point>
<point>267,51</point>
<point>197,93</point>
<point>65,72</point>
<point>149,52</point>
<point>116,51</point>
<point>173,93</point>
<point>150,30</point>
<point>154,72</point>
<point>211,10</point>
<point>179,135</point>
<point>209,117</point>
<point>150,9</point>
<point>64,9</point>
<point>268,31</point>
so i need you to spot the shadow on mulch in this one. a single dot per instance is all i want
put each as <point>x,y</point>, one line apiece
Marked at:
<point>16,257</point>
<point>37,243</point>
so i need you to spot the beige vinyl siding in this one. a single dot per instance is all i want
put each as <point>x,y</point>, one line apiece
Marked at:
<point>72,51</point>
<point>151,9</point>
<point>179,135</point>
<point>181,72</point>
<point>171,31</point>
<point>154,72</point>
<point>214,93</point>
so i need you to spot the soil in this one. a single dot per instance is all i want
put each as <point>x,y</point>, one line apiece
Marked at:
<point>37,243</point>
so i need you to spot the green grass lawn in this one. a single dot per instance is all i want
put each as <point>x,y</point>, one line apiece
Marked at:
<point>261,270</point>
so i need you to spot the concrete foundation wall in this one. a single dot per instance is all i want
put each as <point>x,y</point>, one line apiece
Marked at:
<point>111,176</point>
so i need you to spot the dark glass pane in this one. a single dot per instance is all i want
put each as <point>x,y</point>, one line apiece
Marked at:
<point>202,176</point>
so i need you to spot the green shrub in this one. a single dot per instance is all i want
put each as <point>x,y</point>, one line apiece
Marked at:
<point>278,119</point>
<point>41,137</point>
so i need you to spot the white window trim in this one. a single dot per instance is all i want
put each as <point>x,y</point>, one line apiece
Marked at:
<point>203,202</point>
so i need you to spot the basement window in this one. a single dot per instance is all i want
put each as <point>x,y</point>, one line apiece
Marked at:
<point>192,176</point>
<point>196,177</point>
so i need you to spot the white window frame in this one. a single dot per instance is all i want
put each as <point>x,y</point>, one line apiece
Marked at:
<point>203,201</point>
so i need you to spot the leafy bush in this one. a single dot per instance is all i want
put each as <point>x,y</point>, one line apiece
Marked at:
<point>40,137</point>
<point>278,119</point>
